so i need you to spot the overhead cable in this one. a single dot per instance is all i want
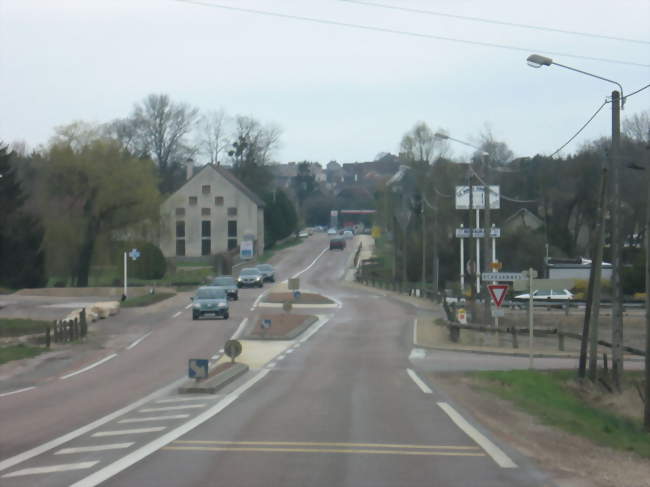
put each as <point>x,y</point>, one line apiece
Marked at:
<point>406,33</point>
<point>637,91</point>
<point>496,22</point>
<point>581,128</point>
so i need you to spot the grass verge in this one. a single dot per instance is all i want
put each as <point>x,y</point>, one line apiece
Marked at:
<point>266,256</point>
<point>17,352</point>
<point>14,327</point>
<point>145,300</point>
<point>549,396</point>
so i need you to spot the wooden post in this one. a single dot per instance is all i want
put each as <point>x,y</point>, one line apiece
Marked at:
<point>47,336</point>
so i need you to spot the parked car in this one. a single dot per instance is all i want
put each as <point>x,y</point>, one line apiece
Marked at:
<point>547,295</point>
<point>250,277</point>
<point>303,234</point>
<point>268,272</point>
<point>331,231</point>
<point>337,243</point>
<point>348,235</point>
<point>228,284</point>
<point>210,300</point>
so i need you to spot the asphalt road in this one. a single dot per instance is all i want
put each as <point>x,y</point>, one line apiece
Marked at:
<point>342,405</point>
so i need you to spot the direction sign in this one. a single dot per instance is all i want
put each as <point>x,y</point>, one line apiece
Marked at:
<point>246,249</point>
<point>498,292</point>
<point>501,276</point>
<point>134,254</point>
<point>478,232</point>
<point>495,232</point>
<point>232,348</point>
<point>198,368</point>
<point>293,283</point>
<point>463,232</point>
<point>296,294</point>
<point>266,324</point>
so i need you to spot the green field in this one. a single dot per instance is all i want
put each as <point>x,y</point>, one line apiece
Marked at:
<point>17,352</point>
<point>547,396</point>
<point>13,327</point>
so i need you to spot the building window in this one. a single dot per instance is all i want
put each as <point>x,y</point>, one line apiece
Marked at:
<point>180,211</point>
<point>180,247</point>
<point>205,189</point>
<point>193,200</point>
<point>232,211</point>
<point>180,229</point>
<point>205,211</point>
<point>232,229</point>
<point>205,246</point>
<point>206,229</point>
<point>218,201</point>
<point>232,243</point>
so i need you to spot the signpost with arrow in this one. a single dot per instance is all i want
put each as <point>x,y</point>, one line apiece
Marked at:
<point>134,254</point>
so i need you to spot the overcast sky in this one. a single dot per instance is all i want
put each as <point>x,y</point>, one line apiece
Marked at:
<point>337,92</point>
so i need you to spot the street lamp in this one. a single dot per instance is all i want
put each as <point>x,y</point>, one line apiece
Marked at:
<point>537,61</point>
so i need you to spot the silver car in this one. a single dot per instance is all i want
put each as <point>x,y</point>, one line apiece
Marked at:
<point>267,271</point>
<point>250,277</point>
<point>210,301</point>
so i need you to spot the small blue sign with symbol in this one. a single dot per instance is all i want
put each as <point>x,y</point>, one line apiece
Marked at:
<point>198,368</point>
<point>266,324</point>
<point>296,294</point>
<point>134,254</point>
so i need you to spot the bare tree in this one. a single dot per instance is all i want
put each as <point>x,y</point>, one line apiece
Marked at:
<point>212,135</point>
<point>498,152</point>
<point>637,127</point>
<point>419,145</point>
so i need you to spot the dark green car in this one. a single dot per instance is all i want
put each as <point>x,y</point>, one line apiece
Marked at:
<point>210,301</point>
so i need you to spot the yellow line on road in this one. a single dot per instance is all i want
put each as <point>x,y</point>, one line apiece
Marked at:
<point>321,444</point>
<point>324,450</point>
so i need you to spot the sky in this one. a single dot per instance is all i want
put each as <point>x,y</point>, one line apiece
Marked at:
<point>337,92</point>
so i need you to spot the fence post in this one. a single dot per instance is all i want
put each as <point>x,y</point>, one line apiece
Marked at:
<point>515,341</point>
<point>83,329</point>
<point>47,336</point>
<point>70,331</point>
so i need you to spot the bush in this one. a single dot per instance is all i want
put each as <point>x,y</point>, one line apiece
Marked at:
<point>150,265</point>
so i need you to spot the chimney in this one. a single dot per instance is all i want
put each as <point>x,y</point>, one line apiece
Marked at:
<point>189,168</point>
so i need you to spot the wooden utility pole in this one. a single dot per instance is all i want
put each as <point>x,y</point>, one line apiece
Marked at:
<point>646,412</point>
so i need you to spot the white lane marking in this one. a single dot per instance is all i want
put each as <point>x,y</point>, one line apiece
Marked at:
<point>51,469</point>
<point>189,306</point>
<point>183,399</point>
<point>91,366</point>
<point>239,331</point>
<point>312,330</point>
<point>290,350</point>
<point>501,459</point>
<point>153,418</point>
<point>86,449</point>
<point>312,264</point>
<point>270,365</point>
<point>415,331</point>
<point>281,357</point>
<point>172,408</point>
<point>136,431</point>
<point>296,345</point>
<point>177,314</point>
<point>417,353</point>
<point>420,383</point>
<point>139,340</point>
<point>17,391</point>
<point>38,450</point>
<point>259,298</point>
<point>146,450</point>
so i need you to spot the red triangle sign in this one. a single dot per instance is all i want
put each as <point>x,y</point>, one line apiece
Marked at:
<point>498,293</point>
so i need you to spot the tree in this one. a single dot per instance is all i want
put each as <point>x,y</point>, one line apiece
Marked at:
<point>304,182</point>
<point>21,233</point>
<point>419,145</point>
<point>280,217</point>
<point>212,135</point>
<point>251,151</point>
<point>93,187</point>
<point>158,128</point>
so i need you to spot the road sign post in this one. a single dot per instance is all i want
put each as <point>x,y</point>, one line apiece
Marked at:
<point>531,274</point>
<point>232,349</point>
<point>265,325</point>
<point>198,368</point>
<point>133,254</point>
<point>497,293</point>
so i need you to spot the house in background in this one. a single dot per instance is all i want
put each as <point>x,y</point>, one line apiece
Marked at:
<point>211,213</point>
<point>522,219</point>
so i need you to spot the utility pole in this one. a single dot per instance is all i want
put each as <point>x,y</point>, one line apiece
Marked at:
<point>646,412</point>
<point>486,237</point>
<point>424,240</point>
<point>616,245</point>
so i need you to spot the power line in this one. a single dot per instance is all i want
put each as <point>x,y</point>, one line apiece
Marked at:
<point>496,22</point>
<point>635,92</point>
<point>581,128</point>
<point>405,33</point>
<point>501,196</point>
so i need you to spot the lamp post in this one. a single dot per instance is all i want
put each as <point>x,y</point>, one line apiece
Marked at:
<point>537,61</point>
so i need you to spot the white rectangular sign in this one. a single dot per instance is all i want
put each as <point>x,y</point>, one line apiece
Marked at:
<point>501,276</point>
<point>478,197</point>
<point>463,232</point>
<point>246,249</point>
<point>495,232</point>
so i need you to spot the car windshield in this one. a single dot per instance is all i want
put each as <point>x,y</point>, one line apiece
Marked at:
<point>249,272</point>
<point>265,267</point>
<point>224,281</point>
<point>210,293</point>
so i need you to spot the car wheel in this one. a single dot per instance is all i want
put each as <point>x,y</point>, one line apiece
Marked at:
<point>260,284</point>
<point>226,316</point>
<point>195,316</point>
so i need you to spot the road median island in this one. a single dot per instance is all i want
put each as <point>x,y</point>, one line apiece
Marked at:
<point>283,326</point>
<point>303,299</point>
<point>220,376</point>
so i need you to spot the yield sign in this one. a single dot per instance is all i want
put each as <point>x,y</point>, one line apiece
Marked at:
<point>498,292</point>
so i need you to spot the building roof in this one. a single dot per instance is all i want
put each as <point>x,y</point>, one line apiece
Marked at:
<point>521,213</point>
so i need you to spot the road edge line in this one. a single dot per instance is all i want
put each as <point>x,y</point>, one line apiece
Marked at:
<point>419,382</point>
<point>497,454</point>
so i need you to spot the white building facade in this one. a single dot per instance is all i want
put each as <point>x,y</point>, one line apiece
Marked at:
<point>212,212</point>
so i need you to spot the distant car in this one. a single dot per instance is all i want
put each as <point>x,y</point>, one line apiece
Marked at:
<point>547,295</point>
<point>210,300</point>
<point>229,284</point>
<point>337,244</point>
<point>250,277</point>
<point>303,234</point>
<point>268,272</point>
<point>348,235</point>
<point>331,231</point>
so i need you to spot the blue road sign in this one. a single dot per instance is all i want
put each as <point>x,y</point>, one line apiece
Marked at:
<point>266,324</point>
<point>134,254</point>
<point>296,294</point>
<point>198,368</point>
